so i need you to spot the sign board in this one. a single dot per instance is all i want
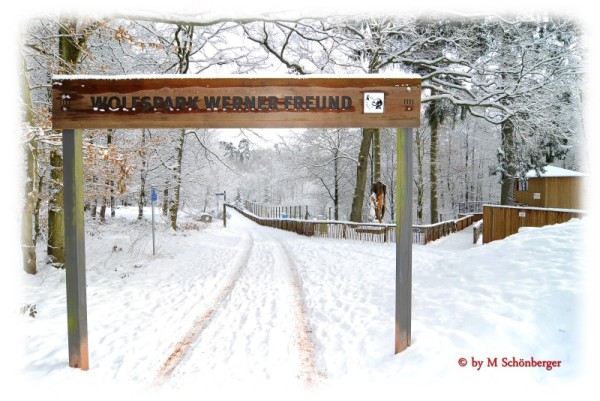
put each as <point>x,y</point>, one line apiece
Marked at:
<point>345,101</point>
<point>537,195</point>
<point>522,214</point>
<point>219,193</point>
<point>153,195</point>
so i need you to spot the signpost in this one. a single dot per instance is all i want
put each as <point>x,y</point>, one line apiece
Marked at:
<point>224,195</point>
<point>75,249</point>
<point>326,101</point>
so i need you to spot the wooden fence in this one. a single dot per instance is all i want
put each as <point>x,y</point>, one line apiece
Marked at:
<point>473,207</point>
<point>422,234</point>
<point>275,212</point>
<point>501,221</point>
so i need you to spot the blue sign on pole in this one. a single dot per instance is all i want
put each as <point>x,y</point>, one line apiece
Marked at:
<point>153,195</point>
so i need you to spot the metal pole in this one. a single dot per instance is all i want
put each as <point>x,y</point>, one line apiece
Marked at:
<point>404,239</point>
<point>75,249</point>
<point>224,209</point>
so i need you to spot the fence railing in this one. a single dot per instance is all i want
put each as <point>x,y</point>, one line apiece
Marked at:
<point>274,212</point>
<point>473,207</point>
<point>422,234</point>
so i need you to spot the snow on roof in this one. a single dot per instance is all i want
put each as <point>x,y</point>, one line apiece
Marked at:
<point>545,209</point>
<point>391,74</point>
<point>552,171</point>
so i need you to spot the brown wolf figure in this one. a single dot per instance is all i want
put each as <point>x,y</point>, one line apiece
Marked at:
<point>379,190</point>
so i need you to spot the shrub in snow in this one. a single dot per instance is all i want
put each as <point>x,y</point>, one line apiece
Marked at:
<point>29,309</point>
<point>191,226</point>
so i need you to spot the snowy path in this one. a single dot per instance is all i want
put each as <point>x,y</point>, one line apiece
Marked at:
<point>458,241</point>
<point>183,346</point>
<point>257,328</point>
<point>255,310</point>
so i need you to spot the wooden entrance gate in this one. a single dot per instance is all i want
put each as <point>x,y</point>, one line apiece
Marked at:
<point>80,102</point>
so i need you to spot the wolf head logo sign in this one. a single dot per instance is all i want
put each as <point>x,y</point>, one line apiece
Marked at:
<point>374,102</point>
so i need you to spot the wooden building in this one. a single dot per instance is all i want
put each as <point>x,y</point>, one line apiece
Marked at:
<point>555,187</point>
<point>552,197</point>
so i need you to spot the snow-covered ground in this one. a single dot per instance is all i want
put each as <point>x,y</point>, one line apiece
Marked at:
<point>253,310</point>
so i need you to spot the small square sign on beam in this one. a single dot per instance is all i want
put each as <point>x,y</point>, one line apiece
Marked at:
<point>374,103</point>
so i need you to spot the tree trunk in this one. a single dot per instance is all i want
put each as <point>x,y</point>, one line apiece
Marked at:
<point>184,36</point>
<point>110,183</point>
<point>142,198</point>
<point>206,195</point>
<point>38,203</point>
<point>113,200</point>
<point>28,237</point>
<point>479,188</point>
<point>419,181</point>
<point>69,48</point>
<point>103,210</point>
<point>361,175</point>
<point>466,197</point>
<point>509,164</point>
<point>94,207</point>
<point>165,203</point>
<point>94,202</point>
<point>56,226</point>
<point>450,180</point>
<point>143,175</point>
<point>376,155</point>
<point>177,180</point>
<point>474,182</point>
<point>29,220</point>
<point>391,188</point>
<point>336,183</point>
<point>433,186</point>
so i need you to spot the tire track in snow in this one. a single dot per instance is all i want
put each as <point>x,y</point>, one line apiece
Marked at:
<point>304,339</point>
<point>202,321</point>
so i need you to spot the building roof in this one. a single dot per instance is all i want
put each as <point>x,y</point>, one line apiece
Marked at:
<point>552,171</point>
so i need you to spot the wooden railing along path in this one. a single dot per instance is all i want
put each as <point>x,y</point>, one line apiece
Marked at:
<point>422,234</point>
<point>474,207</point>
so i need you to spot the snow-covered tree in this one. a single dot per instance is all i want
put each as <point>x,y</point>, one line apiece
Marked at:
<point>500,94</point>
<point>326,156</point>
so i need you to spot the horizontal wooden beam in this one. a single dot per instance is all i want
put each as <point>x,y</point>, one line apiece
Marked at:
<point>244,102</point>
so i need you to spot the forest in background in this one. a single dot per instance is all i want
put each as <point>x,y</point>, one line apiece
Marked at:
<point>501,95</point>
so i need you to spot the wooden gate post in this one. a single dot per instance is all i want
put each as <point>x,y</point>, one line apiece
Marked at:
<point>403,239</point>
<point>75,249</point>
